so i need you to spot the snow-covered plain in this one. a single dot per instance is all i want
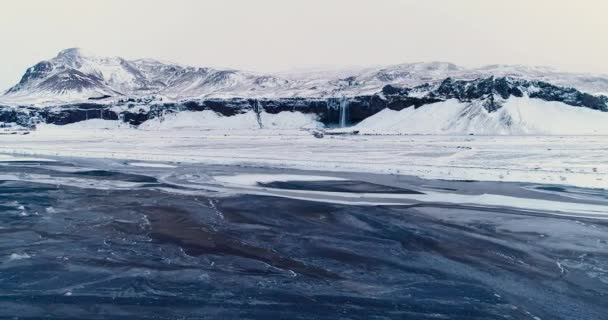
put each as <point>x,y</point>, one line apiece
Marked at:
<point>568,160</point>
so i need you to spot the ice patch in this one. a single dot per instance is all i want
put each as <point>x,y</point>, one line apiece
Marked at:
<point>483,200</point>
<point>72,182</point>
<point>18,256</point>
<point>254,179</point>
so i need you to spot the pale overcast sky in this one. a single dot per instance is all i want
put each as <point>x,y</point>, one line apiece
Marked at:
<point>275,35</point>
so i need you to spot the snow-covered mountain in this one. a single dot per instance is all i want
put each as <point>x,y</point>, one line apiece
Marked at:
<point>370,80</point>
<point>419,98</point>
<point>76,76</point>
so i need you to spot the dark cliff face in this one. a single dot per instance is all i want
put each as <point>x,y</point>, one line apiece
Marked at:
<point>477,89</point>
<point>570,96</point>
<point>491,91</point>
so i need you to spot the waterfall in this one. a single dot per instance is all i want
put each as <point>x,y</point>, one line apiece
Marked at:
<point>258,113</point>
<point>343,112</point>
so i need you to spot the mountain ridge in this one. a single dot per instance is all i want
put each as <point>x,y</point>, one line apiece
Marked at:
<point>413,98</point>
<point>77,76</point>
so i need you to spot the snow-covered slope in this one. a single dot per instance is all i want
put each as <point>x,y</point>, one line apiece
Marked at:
<point>76,76</point>
<point>209,120</point>
<point>199,121</point>
<point>517,116</point>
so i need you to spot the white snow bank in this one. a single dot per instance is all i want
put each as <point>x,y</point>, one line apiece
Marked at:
<point>518,116</point>
<point>8,158</point>
<point>254,179</point>
<point>547,117</point>
<point>203,120</point>
<point>209,120</point>
<point>92,124</point>
<point>290,120</point>
<point>150,165</point>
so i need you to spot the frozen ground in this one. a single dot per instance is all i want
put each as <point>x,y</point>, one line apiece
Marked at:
<point>568,160</point>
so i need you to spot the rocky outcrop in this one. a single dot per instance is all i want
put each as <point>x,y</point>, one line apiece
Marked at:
<point>493,89</point>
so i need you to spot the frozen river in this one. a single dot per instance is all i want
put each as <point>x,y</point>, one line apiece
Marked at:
<point>87,238</point>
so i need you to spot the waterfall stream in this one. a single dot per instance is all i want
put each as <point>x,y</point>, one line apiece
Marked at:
<point>343,112</point>
<point>258,114</point>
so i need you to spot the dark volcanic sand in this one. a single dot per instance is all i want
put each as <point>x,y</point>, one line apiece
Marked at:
<point>68,252</point>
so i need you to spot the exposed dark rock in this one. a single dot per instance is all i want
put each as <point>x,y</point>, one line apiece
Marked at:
<point>490,91</point>
<point>489,88</point>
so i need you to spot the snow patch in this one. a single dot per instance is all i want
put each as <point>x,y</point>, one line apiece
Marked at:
<point>91,124</point>
<point>151,165</point>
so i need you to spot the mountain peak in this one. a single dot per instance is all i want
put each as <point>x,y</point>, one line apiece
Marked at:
<point>70,53</point>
